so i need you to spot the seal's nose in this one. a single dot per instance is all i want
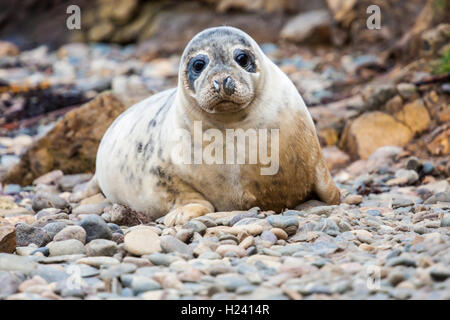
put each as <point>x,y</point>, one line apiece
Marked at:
<point>228,85</point>
<point>216,85</point>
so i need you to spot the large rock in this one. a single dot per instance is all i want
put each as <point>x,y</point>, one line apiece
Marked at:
<point>372,130</point>
<point>312,26</point>
<point>71,145</point>
<point>415,116</point>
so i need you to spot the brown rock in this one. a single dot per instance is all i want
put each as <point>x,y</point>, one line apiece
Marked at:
<point>311,26</point>
<point>7,239</point>
<point>71,146</point>
<point>394,104</point>
<point>328,136</point>
<point>372,130</point>
<point>353,199</point>
<point>438,141</point>
<point>415,116</point>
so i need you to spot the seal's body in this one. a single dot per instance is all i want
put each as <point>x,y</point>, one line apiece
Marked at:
<point>225,82</point>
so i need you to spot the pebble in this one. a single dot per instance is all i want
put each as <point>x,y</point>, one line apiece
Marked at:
<point>230,248</point>
<point>363,236</point>
<point>402,260</point>
<point>142,241</point>
<point>66,247</point>
<point>287,223</point>
<point>141,284</point>
<point>71,232</point>
<point>439,197</point>
<point>279,233</point>
<point>12,262</point>
<point>410,176</point>
<point>10,283</point>
<point>445,221</point>
<point>96,228</point>
<point>43,200</point>
<point>47,212</point>
<point>97,262</point>
<point>171,244</point>
<point>26,234</point>
<point>53,228</point>
<point>327,226</point>
<point>353,199</point>
<point>247,242</point>
<point>196,226</point>
<point>269,236</point>
<point>94,208</point>
<point>101,247</point>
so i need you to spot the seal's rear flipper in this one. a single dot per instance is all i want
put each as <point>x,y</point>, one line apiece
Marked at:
<point>324,185</point>
<point>91,188</point>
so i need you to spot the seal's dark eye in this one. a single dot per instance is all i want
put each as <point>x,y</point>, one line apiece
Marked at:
<point>198,65</point>
<point>242,59</point>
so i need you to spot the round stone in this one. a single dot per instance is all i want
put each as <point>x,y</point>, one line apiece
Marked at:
<point>280,233</point>
<point>96,228</point>
<point>66,247</point>
<point>101,247</point>
<point>142,241</point>
<point>231,248</point>
<point>287,223</point>
<point>71,232</point>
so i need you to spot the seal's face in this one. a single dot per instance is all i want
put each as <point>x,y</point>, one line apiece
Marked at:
<point>220,70</point>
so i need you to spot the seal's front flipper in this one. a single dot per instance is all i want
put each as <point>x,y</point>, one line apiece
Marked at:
<point>324,185</point>
<point>91,188</point>
<point>184,212</point>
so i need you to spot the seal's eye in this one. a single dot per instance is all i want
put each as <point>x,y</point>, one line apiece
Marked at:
<point>242,59</point>
<point>198,65</point>
<point>195,67</point>
<point>245,59</point>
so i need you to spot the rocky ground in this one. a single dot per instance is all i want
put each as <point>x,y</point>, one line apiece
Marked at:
<point>389,239</point>
<point>385,133</point>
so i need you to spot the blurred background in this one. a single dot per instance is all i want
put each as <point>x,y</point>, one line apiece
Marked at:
<point>365,88</point>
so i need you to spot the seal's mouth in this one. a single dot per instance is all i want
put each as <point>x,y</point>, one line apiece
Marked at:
<point>224,105</point>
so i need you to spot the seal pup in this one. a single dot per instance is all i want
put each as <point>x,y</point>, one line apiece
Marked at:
<point>225,82</point>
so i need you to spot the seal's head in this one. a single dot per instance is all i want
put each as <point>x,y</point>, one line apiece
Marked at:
<point>220,69</point>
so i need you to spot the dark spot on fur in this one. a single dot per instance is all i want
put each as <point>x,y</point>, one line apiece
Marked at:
<point>139,147</point>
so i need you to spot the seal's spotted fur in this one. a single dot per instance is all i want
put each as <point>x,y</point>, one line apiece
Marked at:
<point>134,164</point>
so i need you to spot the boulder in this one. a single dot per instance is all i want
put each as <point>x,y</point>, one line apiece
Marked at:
<point>415,116</point>
<point>71,146</point>
<point>311,26</point>
<point>368,132</point>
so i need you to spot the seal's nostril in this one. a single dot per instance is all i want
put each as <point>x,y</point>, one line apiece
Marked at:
<point>216,85</point>
<point>228,85</point>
